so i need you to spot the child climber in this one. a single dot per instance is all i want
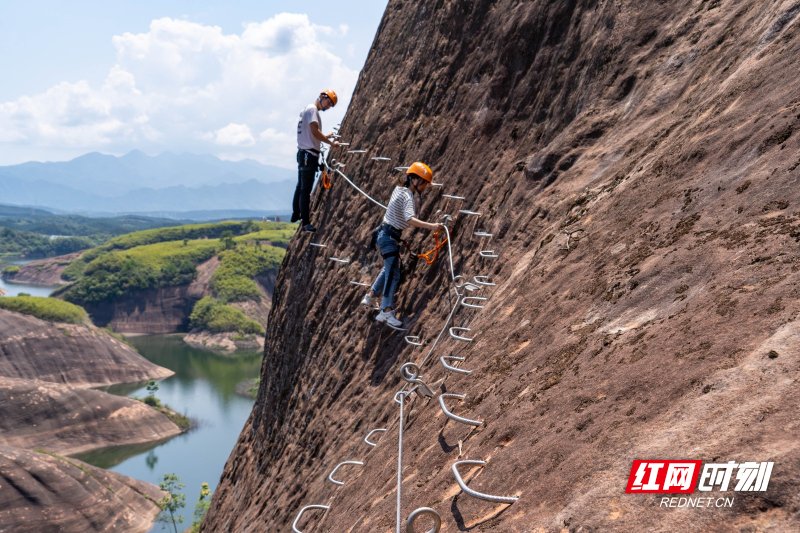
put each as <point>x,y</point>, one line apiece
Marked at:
<point>400,213</point>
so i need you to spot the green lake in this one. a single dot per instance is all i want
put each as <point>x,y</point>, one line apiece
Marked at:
<point>204,389</point>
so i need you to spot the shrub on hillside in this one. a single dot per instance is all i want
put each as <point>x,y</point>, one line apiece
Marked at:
<point>210,314</point>
<point>49,309</point>
<point>10,271</point>
<point>233,279</point>
<point>109,277</point>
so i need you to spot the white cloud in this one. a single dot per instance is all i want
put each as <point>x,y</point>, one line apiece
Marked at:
<point>234,135</point>
<point>185,86</point>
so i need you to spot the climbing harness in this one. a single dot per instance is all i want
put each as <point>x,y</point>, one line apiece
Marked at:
<point>431,255</point>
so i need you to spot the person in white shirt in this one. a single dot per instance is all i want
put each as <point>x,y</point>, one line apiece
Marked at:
<point>309,137</point>
<point>400,213</point>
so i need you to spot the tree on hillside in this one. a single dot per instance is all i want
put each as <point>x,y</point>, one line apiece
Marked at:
<point>172,502</point>
<point>227,240</point>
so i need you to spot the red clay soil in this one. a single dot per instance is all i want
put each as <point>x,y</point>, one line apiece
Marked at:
<point>637,165</point>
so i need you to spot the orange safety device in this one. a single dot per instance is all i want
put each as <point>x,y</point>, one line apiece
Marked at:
<point>431,255</point>
<point>421,170</point>
<point>325,179</point>
<point>331,94</point>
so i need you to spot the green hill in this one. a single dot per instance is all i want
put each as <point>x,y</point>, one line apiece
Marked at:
<point>168,257</point>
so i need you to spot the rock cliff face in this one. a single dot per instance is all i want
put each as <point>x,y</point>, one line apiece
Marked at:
<point>167,310</point>
<point>68,421</point>
<point>80,356</point>
<point>637,167</point>
<point>156,311</point>
<point>46,493</point>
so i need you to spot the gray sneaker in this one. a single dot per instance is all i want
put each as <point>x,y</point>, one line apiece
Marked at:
<point>367,299</point>
<point>387,317</point>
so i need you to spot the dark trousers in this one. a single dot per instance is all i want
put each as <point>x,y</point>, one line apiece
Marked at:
<point>307,166</point>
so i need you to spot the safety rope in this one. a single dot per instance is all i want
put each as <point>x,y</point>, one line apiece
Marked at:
<point>356,187</point>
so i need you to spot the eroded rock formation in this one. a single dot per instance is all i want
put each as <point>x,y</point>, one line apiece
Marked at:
<point>81,356</point>
<point>45,272</point>
<point>67,421</point>
<point>637,167</point>
<point>46,407</point>
<point>48,493</point>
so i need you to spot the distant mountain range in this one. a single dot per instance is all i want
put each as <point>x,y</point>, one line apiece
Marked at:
<point>138,183</point>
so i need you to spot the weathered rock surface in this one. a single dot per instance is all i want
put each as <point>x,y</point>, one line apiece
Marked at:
<point>44,272</point>
<point>637,166</point>
<point>224,342</point>
<point>41,493</point>
<point>65,420</point>
<point>77,355</point>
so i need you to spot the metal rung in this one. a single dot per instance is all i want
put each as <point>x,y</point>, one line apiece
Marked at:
<point>434,184</point>
<point>360,283</point>
<point>356,151</point>
<point>437,520</point>
<point>295,528</point>
<point>468,212</point>
<point>446,411</point>
<point>410,372</point>
<point>488,253</point>
<point>443,359</point>
<point>339,165</point>
<point>484,280</point>
<point>318,245</point>
<point>466,285</point>
<point>473,306</point>
<point>453,197</point>
<point>344,144</point>
<point>369,442</point>
<point>459,337</point>
<point>336,481</point>
<point>475,493</point>
<point>345,261</point>
<point>381,158</point>
<point>401,168</point>
<point>413,340</point>
<point>482,234</point>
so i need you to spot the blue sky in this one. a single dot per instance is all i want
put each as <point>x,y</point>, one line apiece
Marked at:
<point>173,75</point>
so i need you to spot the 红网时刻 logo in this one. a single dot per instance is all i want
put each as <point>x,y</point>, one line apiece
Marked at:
<point>670,476</point>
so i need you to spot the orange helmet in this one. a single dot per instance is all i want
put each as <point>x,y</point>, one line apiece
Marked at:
<point>421,170</point>
<point>331,94</point>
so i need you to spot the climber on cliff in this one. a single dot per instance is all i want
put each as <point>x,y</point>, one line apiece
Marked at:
<point>400,213</point>
<point>309,139</point>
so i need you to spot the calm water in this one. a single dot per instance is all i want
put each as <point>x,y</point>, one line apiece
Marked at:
<point>13,289</point>
<point>203,388</point>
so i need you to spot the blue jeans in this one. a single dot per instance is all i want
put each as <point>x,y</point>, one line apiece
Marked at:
<point>389,278</point>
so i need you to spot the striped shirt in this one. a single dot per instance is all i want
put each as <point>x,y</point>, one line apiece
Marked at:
<point>402,207</point>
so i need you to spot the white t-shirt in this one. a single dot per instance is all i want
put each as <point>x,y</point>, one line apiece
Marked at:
<point>402,208</point>
<point>306,141</point>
